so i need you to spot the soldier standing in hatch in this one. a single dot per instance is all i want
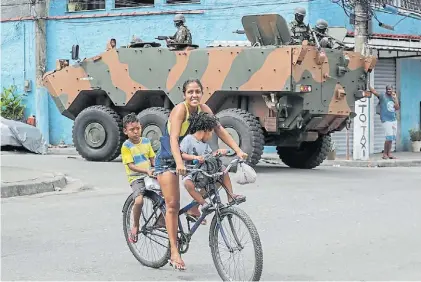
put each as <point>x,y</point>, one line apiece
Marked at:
<point>321,28</point>
<point>300,31</point>
<point>182,35</point>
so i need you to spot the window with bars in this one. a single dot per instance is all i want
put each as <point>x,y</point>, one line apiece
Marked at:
<point>133,3</point>
<point>411,5</point>
<point>85,5</point>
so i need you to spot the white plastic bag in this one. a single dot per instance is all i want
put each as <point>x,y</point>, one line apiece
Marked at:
<point>151,183</point>
<point>245,174</point>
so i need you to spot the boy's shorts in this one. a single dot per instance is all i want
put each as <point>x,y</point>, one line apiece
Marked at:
<point>138,187</point>
<point>190,177</point>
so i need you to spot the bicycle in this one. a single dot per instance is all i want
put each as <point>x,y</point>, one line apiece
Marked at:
<point>221,211</point>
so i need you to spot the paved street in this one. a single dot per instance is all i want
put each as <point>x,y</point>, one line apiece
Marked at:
<point>330,223</point>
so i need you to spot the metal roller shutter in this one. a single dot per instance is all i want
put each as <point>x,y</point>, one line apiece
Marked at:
<point>340,141</point>
<point>384,74</point>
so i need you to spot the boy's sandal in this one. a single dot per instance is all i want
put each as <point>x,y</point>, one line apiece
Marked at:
<point>238,198</point>
<point>133,237</point>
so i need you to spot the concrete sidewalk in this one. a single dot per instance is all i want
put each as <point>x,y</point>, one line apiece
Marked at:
<point>18,181</point>
<point>403,159</point>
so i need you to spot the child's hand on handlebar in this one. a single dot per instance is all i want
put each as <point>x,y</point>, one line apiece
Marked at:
<point>201,159</point>
<point>151,171</point>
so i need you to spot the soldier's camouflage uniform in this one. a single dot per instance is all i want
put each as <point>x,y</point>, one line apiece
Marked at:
<point>321,28</point>
<point>300,32</point>
<point>324,41</point>
<point>182,35</point>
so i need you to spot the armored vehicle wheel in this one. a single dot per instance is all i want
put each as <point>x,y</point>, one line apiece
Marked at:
<point>98,134</point>
<point>308,156</point>
<point>153,124</point>
<point>246,132</point>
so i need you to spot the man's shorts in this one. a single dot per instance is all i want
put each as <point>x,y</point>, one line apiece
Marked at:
<point>138,187</point>
<point>390,129</point>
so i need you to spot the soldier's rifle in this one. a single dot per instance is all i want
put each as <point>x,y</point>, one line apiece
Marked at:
<point>328,36</point>
<point>313,33</point>
<point>164,37</point>
<point>239,31</point>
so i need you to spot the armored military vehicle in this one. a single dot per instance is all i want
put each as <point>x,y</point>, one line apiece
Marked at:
<point>269,93</point>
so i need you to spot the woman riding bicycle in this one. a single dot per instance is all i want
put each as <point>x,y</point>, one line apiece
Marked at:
<point>178,124</point>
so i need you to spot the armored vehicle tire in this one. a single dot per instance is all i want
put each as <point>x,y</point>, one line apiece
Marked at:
<point>246,132</point>
<point>153,122</point>
<point>98,134</point>
<point>308,156</point>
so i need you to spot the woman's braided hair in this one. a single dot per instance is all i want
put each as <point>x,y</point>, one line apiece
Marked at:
<point>202,121</point>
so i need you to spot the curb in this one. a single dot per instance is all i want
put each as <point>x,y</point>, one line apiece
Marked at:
<point>62,151</point>
<point>376,163</point>
<point>373,163</point>
<point>270,157</point>
<point>35,186</point>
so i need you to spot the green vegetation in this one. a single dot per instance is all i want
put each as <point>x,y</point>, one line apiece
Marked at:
<point>11,104</point>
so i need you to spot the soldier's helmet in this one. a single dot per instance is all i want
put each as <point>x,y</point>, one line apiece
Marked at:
<point>321,24</point>
<point>300,11</point>
<point>179,18</point>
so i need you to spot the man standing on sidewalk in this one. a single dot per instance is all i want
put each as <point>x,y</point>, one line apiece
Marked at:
<point>389,104</point>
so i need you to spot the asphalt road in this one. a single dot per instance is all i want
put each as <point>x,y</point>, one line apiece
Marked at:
<point>330,223</point>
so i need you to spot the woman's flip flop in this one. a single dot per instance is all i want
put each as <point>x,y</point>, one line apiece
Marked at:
<point>176,265</point>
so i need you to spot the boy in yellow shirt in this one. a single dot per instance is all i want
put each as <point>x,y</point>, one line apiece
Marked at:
<point>137,156</point>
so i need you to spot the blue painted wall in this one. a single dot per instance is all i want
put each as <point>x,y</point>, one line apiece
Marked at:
<point>335,16</point>
<point>410,92</point>
<point>18,59</point>
<point>219,19</point>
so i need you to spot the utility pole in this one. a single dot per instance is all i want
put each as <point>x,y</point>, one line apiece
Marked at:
<point>361,138</point>
<point>41,94</point>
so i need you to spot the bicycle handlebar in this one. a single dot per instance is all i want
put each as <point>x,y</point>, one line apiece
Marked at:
<point>231,164</point>
<point>189,168</point>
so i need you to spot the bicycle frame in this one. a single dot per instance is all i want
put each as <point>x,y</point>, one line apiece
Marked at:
<point>216,200</point>
<point>182,211</point>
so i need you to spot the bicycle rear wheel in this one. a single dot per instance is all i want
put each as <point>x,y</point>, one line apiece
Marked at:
<point>152,248</point>
<point>227,242</point>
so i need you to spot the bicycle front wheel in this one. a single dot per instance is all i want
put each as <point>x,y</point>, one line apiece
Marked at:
<point>235,246</point>
<point>153,247</point>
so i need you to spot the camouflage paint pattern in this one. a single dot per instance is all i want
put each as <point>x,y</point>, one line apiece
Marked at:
<point>335,77</point>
